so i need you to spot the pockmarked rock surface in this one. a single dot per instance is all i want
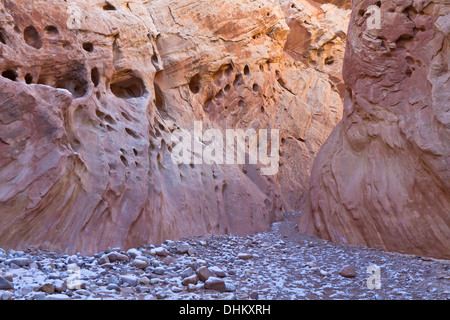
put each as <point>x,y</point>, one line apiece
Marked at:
<point>91,92</point>
<point>382,179</point>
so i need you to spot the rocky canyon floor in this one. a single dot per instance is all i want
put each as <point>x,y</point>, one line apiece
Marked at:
<point>280,264</point>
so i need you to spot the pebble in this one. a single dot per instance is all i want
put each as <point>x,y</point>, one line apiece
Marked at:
<point>48,288</point>
<point>162,252</point>
<point>140,264</point>
<point>162,294</point>
<point>57,297</point>
<point>38,296</point>
<point>5,284</point>
<point>183,248</point>
<point>348,272</point>
<point>159,271</point>
<point>115,256</point>
<point>176,289</point>
<point>104,260</point>
<point>21,262</point>
<point>214,283</point>
<point>112,286</point>
<point>190,280</point>
<point>244,256</point>
<point>129,279</point>
<point>133,253</point>
<point>187,272</point>
<point>204,274</point>
<point>144,281</point>
<point>218,272</point>
<point>6,295</point>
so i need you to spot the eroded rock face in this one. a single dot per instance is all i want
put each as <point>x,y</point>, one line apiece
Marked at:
<point>382,179</point>
<point>91,92</point>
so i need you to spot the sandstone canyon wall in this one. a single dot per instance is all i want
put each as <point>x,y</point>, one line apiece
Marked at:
<point>382,179</point>
<point>91,91</point>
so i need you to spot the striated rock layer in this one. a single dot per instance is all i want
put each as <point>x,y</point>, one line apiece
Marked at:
<point>382,179</point>
<point>92,90</point>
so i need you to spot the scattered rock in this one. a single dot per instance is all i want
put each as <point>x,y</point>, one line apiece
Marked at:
<point>113,286</point>
<point>48,288</point>
<point>218,272</point>
<point>133,253</point>
<point>183,248</point>
<point>187,272</point>
<point>57,297</point>
<point>6,295</point>
<point>5,284</point>
<point>254,295</point>
<point>190,280</point>
<point>159,271</point>
<point>144,281</point>
<point>214,283</point>
<point>140,264</point>
<point>129,279</point>
<point>162,252</point>
<point>115,256</point>
<point>104,260</point>
<point>348,272</point>
<point>204,274</point>
<point>245,256</point>
<point>21,262</point>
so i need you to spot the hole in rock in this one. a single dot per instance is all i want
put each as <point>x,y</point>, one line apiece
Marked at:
<point>155,59</point>
<point>126,85</point>
<point>227,88</point>
<point>110,120</point>
<point>88,46</point>
<point>2,36</point>
<point>238,81</point>
<point>222,75</point>
<point>28,78</point>
<point>220,95</point>
<point>131,133</point>
<point>194,84</point>
<point>408,72</point>
<point>10,74</point>
<point>246,70</point>
<point>51,30</point>
<point>127,117</point>
<point>109,7</point>
<point>135,152</point>
<point>160,102</point>
<point>255,88</point>
<point>99,114</point>
<point>124,160</point>
<point>329,60</point>
<point>95,77</point>
<point>241,103</point>
<point>74,85</point>
<point>32,37</point>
